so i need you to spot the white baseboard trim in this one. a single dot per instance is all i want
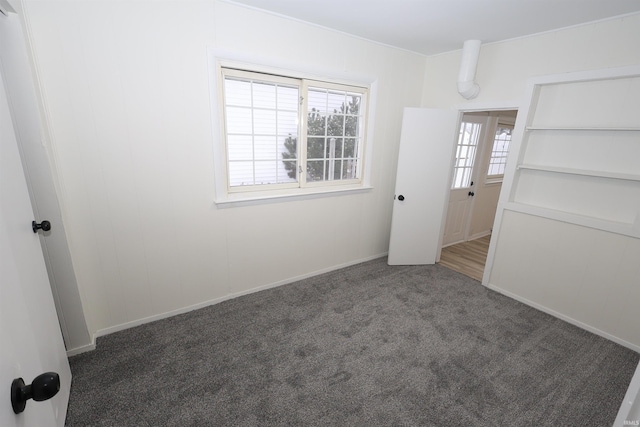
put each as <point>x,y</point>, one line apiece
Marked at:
<point>566,318</point>
<point>470,238</point>
<point>479,235</point>
<point>83,348</point>
<point>138,322</point>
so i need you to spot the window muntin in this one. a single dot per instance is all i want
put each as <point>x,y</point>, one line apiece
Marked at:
<point>267,144</point>
<point>468,138</point>
<point>499,152</point>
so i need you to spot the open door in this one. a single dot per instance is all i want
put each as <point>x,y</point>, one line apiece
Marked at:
<point>465,175</point>
<point>30,338</point>
<point>422,185</point>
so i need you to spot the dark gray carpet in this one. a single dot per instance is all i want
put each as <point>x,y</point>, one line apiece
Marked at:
<point>369,345</point>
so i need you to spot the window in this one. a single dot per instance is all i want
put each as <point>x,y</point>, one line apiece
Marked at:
<point>499,152</point>
<point>287,133</point>
<point>465,154</point>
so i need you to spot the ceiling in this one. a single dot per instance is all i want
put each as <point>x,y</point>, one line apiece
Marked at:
<point>435,26</point>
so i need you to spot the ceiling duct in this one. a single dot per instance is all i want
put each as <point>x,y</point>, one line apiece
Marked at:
<point>467,86</point>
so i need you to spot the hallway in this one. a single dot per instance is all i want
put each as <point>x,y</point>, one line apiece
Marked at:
<point>468,258</point>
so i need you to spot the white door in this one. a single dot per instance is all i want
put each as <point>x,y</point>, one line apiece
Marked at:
<point>16,69</point>
<point>30,338</point>
<point>422,185</point>
<point>471,134</point>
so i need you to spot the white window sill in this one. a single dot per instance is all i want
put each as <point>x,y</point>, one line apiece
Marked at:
<point>262,197</point>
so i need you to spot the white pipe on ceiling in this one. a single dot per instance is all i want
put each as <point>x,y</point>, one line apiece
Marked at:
<point>467,86</point>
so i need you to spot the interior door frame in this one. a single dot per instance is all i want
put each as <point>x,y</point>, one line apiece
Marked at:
<point>472,108</point>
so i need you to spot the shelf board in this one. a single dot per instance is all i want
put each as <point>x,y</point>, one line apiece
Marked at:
<point>570,128</point>
<point>583,172</point>
<point>625,229</point>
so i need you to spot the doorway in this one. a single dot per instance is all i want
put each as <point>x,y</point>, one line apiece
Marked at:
<point>476,181</point>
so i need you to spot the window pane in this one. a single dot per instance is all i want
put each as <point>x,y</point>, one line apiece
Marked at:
<point>287,147</point>
<point>336,102</point>
<point>317,101</point>
<point>237,92</point>
<point>334,148</point>
<point>264,147</point>
<point>315,123</point>
<point>335,125</point>
<point>315,148</point>
<point>266,172</point>
<point>343,120</point>
<point>350,169</point>
<point>288,98</point>
<point>353,103</point>
<point>335,169</point>
<point>315,170</point>
<point>239,120</point>
<point>240,147</point>
<point>264,122</point>
<point>499,151</point>
<point>287,123</point>
<point>240,173</point>
<point>352,126</point>
<point>288,171</point>
<point>465,154</point>
<point>350,147</point>
<point>262,128</point>
<point>264,95</point>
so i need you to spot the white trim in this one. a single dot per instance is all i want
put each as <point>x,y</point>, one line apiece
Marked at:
<point>313,24</point>
<point>83,348</point>
<point>219,58</point>
<point>249,199</point>
<point>127,325</point>
<point>585,76</point>
<point>565,318</point>
<point>630,407</point>
<point>542,33</point>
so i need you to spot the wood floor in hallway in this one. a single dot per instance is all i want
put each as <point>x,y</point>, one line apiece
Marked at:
<point>468,258</point>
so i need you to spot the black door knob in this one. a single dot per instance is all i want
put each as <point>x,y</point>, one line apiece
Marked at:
<point>44,226</point>
<point>401,197</point>
<point>471,193</point>
<point>43,387</point>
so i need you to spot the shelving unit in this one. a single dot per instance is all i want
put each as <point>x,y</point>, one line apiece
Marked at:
<point>579,159</point>
<point>566,238</point>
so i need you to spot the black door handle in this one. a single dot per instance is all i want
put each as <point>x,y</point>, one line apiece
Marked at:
<point>43,387</point>
<point>471,193</point>
<point>401,197</point>
<point>44,226</point>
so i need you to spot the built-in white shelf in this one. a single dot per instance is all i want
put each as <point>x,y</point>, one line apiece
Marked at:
<point>583,172</point>
<point>626,229</point>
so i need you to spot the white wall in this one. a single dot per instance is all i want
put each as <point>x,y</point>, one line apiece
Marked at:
<point>503,68</point>
<point>586,276</point>
<point>126,89</point>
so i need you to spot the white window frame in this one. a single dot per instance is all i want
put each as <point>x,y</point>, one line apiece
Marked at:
<point>303,147</point>
<point>474,148</point>
<point>497,178</point>
<point>243,74</point>
<point>219,59</point>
